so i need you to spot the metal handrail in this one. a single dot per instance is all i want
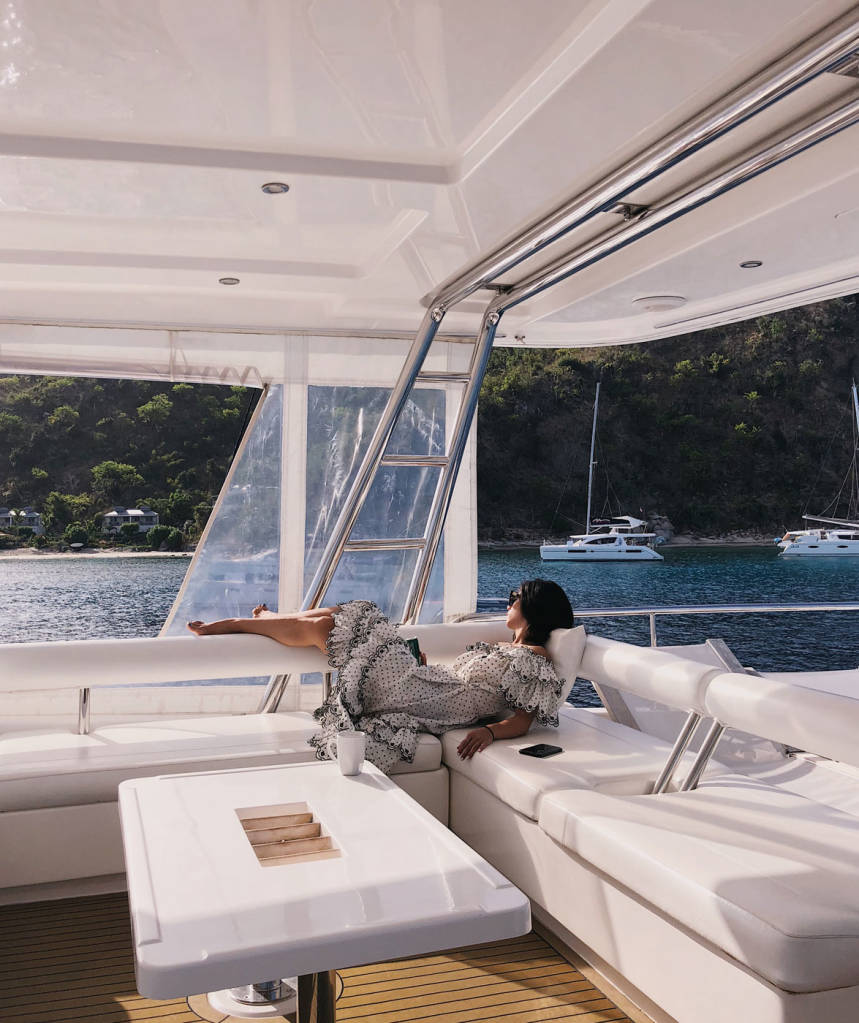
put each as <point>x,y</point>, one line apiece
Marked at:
<point>652,613</point>
<point>817,130</point>
<point>778,80</point>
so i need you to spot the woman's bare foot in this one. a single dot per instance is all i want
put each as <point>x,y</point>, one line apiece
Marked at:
<point>260,609</point>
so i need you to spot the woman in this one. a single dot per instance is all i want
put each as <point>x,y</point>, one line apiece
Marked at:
<point>383,691</point>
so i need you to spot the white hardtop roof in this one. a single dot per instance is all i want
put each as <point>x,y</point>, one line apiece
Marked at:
<point>415,137</point>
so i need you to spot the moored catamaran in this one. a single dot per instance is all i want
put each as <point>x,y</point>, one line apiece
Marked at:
<point>348,210</point>
<point>619,538</point>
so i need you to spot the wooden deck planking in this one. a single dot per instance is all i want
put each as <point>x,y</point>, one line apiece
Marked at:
<point>71,961</point>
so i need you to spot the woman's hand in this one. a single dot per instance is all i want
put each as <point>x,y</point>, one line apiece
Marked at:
<point>475,742</point>
<point>423,658</point>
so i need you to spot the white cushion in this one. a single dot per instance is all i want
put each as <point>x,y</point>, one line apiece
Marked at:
<point>766,875</point>
<point>427,756</point>
<point>648,672</point>
<point>597,752</point>
<point>566,647</point>
<point>62,769</point>
<point>809,719</point>
<point>443,643</point>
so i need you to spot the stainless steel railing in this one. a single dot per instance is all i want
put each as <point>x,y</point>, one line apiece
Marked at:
<point>665,611</point>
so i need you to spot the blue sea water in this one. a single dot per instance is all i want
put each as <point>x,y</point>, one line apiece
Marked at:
<point>73,597</point>
<point>708,575</point>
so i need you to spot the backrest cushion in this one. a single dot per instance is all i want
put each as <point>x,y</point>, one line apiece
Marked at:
<point>566,648</point>
<point>647,672</point>
<point>443,643</point>
<point>809,719</point>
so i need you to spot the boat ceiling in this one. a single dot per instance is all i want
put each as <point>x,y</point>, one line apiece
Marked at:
<point>414,135</point>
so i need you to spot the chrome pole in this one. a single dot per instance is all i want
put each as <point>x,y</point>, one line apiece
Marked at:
<point>83,711</point>
<point>364,478</point>
<point>681,744</point>
<point>807,136</point>
<point>444,490</point>
<point>273,694</point>
<point>653,640</point>
<point>781,78</point>
<point>708,748</point>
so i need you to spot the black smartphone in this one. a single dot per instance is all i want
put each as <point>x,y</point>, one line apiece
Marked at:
<point>542,749</point>
<point>415,648</point>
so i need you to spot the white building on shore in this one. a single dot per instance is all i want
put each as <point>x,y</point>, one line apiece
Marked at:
<point>144,517</point>
<point>11,518</point>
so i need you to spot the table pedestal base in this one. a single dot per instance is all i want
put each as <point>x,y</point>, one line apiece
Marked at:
<point>312,1000</point>
<point>265,1000</point>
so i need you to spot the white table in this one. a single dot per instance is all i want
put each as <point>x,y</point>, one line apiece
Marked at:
<point>208,914</point>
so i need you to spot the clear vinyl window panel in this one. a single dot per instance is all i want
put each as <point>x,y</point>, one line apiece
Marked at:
<point>237,564</point>
<point>340,423</point>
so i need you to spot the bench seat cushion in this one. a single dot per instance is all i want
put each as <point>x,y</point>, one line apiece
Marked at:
<point>765,875</point>
<point>64,769</point>
<point>597,753</point>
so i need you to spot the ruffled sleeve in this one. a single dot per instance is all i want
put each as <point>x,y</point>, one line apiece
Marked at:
<point>529,683</point>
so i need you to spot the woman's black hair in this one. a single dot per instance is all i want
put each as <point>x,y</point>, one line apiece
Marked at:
<point>545,607</point>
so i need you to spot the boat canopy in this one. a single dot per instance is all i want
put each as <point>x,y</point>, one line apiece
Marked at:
<point>189,186</point>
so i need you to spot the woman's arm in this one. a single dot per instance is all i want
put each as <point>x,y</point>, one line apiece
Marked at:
<point>479,738</point>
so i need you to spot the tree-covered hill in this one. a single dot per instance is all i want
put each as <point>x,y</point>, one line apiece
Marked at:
<point>739,428</point>
<point>73,447</point>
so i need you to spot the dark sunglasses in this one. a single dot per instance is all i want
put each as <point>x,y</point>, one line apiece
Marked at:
<point>514,596</point>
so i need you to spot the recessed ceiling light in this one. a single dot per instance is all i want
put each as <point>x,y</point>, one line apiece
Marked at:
<point>751,264</point>
<point>658,303</point>
<point>228,280</point>
<point>275,187</point>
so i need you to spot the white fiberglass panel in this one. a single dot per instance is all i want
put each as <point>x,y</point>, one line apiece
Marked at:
<point>369,75</point>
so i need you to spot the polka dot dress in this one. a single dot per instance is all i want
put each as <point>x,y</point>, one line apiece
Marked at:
<point>383,691</point>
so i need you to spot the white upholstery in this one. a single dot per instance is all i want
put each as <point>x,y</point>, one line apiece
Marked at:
<point>765,875</point>
<point>444,643</point>
<point>809,719</point>
<point>597,753</point>
<point>62,769</point>
<point>110,662</point>
<point>566,648</point>
<point>647,672</point>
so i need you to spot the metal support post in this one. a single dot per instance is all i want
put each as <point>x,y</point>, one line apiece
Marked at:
<point>681,744</point>
<point>444,491</point>
<point>708,748</point>
<point>364,478</point>
<point>317,998</point>
<point>273,694</point>
<point>83,711</point>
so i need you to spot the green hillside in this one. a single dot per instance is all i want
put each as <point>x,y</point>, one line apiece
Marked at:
<point>740,428</point>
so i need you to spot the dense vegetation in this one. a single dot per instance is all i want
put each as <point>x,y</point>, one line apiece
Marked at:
<point>72,448</point>
<point>739,428</point>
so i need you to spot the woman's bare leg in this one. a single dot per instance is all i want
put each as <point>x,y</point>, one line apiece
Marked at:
<point>291,630</point>
<point>262,611</point>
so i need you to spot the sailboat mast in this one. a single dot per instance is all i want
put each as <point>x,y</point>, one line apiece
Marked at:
<point>591,462</point>
<point>856,405</point>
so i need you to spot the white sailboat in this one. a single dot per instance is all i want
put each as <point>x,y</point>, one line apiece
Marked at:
<point>832,538</point>
<point>619,538</point>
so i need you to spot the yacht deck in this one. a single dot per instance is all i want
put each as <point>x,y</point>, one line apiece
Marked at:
<point>71,961</point>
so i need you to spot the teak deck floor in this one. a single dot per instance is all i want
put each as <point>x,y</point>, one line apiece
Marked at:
<point>71,961</point>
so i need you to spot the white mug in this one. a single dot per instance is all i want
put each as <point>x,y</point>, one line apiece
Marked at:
<point>351,747</point>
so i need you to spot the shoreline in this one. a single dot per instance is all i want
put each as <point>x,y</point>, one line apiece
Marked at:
<point>87,553</point>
